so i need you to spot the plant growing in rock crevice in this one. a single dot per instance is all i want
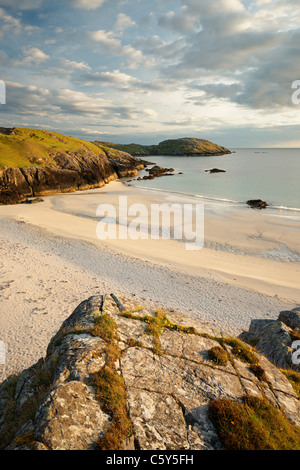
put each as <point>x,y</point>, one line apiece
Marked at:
<point>110,387</point>
<point>294,378</point>
<point>111,392</point>
<point>218,355</point>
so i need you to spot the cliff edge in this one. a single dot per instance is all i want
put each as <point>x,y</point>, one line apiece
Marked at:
<point>35,163</point>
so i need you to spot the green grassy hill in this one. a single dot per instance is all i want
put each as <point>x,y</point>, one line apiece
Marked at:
<point>185,146</point>
<point>22,147</point>
<point>36,162</point>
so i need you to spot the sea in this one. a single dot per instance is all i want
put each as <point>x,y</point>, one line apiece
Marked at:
<point>270,174</point>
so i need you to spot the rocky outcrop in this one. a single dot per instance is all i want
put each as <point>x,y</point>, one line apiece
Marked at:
<point>186,146</point>
<point>275,338</point>
<point>124,164</point>
<point>156,172</point>
<point>79,170</point>
<point>67,170</point>
<point>257,204</point>
<point>118,375</point>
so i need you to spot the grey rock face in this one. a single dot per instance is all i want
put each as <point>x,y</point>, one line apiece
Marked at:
<point>291,318</point>
<point>78,170</point>
<point>275,338</point>
<point>56,404</point>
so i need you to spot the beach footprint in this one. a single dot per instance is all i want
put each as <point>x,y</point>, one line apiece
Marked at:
<point>6,285</point>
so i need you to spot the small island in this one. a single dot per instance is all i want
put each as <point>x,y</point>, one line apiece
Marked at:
<point>189,147</point>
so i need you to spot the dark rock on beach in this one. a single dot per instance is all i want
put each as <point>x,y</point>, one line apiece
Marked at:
<point>33,201</point>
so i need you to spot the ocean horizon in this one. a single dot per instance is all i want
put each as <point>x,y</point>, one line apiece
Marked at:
<point>270,174</point>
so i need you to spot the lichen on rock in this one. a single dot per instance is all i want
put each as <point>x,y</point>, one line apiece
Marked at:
<point>108,381</point>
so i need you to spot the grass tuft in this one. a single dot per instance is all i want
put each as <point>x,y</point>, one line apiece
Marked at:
<point>110,387</point>
<point>253,424</point>
<point>218,355</point>
<point>111,392</point>
<point>241,350</point>
<point>294,378</point>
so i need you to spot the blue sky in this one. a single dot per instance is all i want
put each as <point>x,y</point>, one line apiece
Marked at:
<point>142,71</point>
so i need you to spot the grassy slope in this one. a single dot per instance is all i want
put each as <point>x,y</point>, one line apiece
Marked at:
<point>34,147</point>
<point>172,147</point>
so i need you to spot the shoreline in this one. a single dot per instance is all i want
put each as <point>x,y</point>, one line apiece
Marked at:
<point>286,211</point>
<point>51,261</point>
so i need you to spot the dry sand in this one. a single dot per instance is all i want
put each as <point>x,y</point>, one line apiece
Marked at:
<point>51,260</point>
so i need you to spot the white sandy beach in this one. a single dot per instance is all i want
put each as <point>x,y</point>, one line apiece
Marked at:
<point>51,260</point>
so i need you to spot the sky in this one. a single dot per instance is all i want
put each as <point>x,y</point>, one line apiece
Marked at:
<point>147,70</point>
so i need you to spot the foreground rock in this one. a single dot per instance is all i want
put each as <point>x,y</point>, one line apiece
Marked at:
<point>275,338</point>
<point>118,375</point>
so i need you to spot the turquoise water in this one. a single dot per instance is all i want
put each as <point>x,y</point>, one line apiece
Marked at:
<point>268,174</point>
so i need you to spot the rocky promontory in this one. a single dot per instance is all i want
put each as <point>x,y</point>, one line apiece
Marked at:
<point>39,163</point>
<point>186,146</point>
<point>119,375</point>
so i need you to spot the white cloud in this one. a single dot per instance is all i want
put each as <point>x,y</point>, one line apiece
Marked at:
<point>115,78</point>
<point>9,23</point>
<point>73,65</point>
<point>88,4</point>
<point>110,42</point>
<point>182,22</point>
<point>123,22</point>
<point>107,39</point>
<point>34,55</point>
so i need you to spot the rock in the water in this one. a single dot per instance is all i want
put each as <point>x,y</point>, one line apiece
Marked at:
<point>157,171</point>
<point>215,170</point>
<point>257,204</point>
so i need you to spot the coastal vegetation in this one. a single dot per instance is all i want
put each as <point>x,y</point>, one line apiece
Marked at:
<point>253,424</point>
<point>184,146</point>
<point>98,351</point>
<point>21,147</point>
<point>37,162</point>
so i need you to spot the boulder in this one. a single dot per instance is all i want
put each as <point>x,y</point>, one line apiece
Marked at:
<point>291,318</point>
<point>257,204</point>
<point>119,375</point>
<point>157,171</point>
<point>274,338</point>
